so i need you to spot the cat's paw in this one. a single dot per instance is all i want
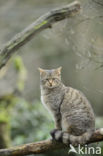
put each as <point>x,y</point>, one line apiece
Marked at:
<point>52,132</point>
<point>75,141</point>
<point>56,134</point>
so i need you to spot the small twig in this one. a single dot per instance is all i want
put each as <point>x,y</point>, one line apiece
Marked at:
<point>101,4</point>
<point>85,19</point>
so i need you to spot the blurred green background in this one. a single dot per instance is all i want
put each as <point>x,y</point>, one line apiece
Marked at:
<point>76,44</point>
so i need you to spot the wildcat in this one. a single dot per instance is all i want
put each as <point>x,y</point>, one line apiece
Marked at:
<point>73,115</point>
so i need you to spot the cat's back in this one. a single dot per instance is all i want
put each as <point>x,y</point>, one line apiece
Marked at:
<point>76,101</point>
<point>76,110</point>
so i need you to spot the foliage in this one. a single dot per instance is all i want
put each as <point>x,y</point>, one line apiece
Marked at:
<point>21,71</point>
<point>29,122</point>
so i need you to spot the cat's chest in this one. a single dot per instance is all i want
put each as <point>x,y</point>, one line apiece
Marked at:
<point>51,101</point>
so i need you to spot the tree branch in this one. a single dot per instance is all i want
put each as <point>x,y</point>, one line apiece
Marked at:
<point>45,146</point>
<point>42,23</point>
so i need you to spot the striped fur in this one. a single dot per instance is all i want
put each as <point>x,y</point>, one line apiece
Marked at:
<point>73,115</point>
<point>67,138</point>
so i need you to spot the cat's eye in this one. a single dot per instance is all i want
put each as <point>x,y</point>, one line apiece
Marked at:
<point>46,79</point>
<point>53,79</point>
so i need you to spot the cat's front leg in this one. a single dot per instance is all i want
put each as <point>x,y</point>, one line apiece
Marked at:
<point>57,118</point>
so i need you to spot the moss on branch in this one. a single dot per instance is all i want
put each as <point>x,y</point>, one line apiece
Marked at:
<point>44,22</point>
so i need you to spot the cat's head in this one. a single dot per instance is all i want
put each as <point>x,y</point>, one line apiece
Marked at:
<point>50,78</point>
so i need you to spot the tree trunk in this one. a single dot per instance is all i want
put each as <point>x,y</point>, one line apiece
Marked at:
<point>4,135</point>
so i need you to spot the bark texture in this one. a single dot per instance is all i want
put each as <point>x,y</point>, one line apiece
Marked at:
<point>45,146</point>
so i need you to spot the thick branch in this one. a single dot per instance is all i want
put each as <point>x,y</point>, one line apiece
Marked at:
<point>42,23</point>
<point>45,146</point>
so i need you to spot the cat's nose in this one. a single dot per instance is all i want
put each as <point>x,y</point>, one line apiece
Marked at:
<point>50,82</point>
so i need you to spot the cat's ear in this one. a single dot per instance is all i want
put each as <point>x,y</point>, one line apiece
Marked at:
<point>42,71</point>
<point>58,70</point>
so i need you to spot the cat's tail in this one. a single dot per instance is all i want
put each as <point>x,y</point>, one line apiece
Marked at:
<point>66,138</point>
